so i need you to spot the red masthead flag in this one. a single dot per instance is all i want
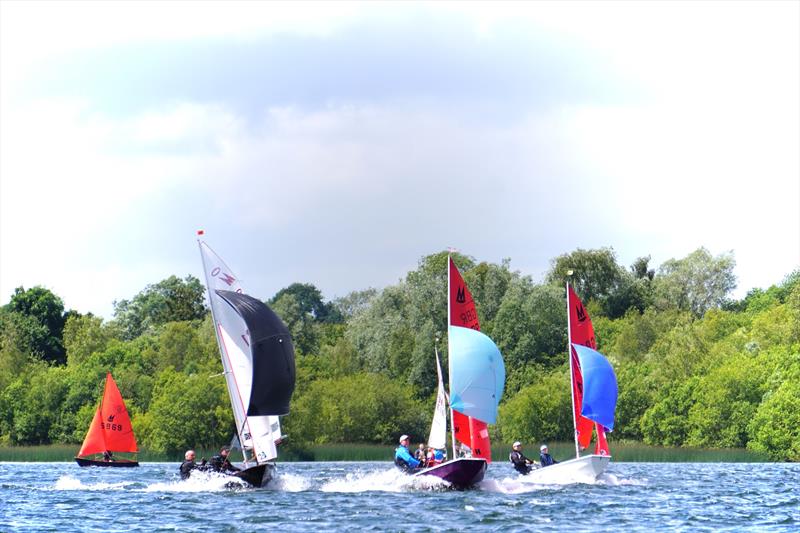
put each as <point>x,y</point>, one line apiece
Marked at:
<point>471,431</point>
<point>201,232</point>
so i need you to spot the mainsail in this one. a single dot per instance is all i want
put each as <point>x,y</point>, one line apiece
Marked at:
<point>242,343</point>
<point>110,429</point>
<point>477,372</point>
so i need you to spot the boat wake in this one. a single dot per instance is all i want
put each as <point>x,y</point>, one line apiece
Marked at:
<point>385,481</point>
<point>71,483</point>
<point>289,483</point>
<point>200,482</point>
<point>522,484</point>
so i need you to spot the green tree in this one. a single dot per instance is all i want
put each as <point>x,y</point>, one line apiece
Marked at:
<point>85,335</point>
<point>362,407</point>
<point>530,330</point>
<point>667,421</point>
<point>775,428</point>
<point>43,321</point>
<point>539,412</point>
<point>696,283</point>
<point>309,298</point>
<point>170,300</point>
<point>186,412</point>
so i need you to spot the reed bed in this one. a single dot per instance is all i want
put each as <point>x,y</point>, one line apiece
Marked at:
<point>624,452</point>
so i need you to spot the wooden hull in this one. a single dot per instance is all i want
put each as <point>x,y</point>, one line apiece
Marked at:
<point>257,476</point>
<point>585,469</point>
<point>460,473</point>
<point>117,463</point>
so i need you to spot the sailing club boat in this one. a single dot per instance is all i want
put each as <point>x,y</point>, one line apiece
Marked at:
<point>477,378</point>
<point>258,362</point>
<point>594,397</point>
<point>110,432</point>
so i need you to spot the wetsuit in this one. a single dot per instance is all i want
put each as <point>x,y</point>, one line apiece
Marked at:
<point>221,464</point>
<point>186,468</point>
<point>520,462</point>
<point>403,459</point>
<point>546,459</point>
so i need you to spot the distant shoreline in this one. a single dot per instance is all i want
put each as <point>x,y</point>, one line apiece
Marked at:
<point>622,452</point>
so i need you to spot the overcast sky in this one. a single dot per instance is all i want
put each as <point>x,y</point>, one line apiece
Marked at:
<point>338,143</point>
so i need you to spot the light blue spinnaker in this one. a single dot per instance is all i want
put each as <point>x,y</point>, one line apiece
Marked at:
<point>599,386</point>
<point>477,375</point>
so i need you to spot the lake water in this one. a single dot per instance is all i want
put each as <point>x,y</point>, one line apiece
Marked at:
<point>375,497</point>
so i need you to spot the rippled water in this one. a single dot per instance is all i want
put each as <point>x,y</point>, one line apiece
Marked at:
<point>375,497</point>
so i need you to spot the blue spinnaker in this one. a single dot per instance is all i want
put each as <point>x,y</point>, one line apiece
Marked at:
<point>477,374</point>
<point>599,386</point>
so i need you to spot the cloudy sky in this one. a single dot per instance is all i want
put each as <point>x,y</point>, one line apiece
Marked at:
<point>337,143</point>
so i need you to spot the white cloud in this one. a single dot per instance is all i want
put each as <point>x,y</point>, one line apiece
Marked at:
<point>702,151</point>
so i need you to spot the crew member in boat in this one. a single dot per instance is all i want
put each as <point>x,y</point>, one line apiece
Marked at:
<point>434,457</point>
<point>544,457</point>
<point>188,464</point>
<point>402,457</point>
<point>521,463</point>
<point>220,462</point>
<point>420,455</point>
<point>108,456</point>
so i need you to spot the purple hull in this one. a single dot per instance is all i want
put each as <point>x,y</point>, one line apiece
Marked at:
<point>118,463</point>
<point>461,473</point>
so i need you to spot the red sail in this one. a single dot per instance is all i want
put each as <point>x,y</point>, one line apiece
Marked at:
<point>111,426</point>
<point>471,431</point>
<point>95,441</point>
<point>462,306</point>
<point>580,332</point>
<point>601,448</point>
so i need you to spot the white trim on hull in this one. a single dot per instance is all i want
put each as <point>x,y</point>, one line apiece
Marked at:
<point>583,470</point>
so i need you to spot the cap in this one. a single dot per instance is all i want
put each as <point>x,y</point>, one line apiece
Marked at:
<point>403,437</point>
<point>543,447</point>
<point>518,443</point>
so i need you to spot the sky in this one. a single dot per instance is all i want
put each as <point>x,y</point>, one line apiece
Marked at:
<point>338,143</point>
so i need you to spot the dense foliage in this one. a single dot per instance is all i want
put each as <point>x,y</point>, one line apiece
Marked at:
<point>695,368</point>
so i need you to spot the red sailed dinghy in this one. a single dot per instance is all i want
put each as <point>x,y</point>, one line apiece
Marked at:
<point>477,379</point>
<point>110,432</point>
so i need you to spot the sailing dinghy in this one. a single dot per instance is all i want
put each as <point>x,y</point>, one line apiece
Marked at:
<point>594,399</point>
<point>477,379</point>
<point>110,432</point>
<point>258,361</point>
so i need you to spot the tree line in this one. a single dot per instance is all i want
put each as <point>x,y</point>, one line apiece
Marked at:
<point>695,367</point>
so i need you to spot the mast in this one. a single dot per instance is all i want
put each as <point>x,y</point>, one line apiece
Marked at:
<point>450,362</point>
<point>233,392</point>
<point>571,377</point>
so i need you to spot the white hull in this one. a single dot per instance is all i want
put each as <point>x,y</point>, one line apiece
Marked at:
<point>583,470</point>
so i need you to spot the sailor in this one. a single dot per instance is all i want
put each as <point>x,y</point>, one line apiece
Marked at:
<point>188,464</point>
<point>108,456</point>
<point>521,463</point>
<point>545,457</point>
<point>402,457</point>
<point>220,462</point>
<point>419,455</point>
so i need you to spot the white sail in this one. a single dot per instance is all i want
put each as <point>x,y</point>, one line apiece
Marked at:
<point>256,433</point>
<point>438,436</point>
